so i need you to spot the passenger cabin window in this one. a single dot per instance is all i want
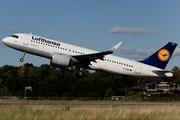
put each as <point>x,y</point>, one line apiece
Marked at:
<point>15,36</point>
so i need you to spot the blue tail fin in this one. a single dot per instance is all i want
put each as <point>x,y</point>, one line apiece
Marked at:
<point>161,57</point>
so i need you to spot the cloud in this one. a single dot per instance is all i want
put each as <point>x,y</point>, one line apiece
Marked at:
<point>131,31</point>
<point>136,53</point>
<point>176,52</point>
<point>142,54</point>
<point>12,30</point>
<point>75,31</point>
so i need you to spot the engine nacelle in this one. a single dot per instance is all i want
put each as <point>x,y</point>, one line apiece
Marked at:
<point>60,60</point>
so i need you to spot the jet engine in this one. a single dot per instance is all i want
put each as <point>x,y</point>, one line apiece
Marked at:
<point>60,60</point>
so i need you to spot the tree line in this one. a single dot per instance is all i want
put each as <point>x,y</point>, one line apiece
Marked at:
<point>47,81</point>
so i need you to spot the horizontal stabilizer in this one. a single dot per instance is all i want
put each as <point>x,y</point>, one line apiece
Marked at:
<point>162,71</point>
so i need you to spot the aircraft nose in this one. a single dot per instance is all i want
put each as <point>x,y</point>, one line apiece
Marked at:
<point>5,40</point>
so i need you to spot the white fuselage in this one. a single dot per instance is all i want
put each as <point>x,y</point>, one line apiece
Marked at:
<point>112,64</point>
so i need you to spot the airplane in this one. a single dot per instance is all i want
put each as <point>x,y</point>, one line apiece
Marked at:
<point>66,55</point>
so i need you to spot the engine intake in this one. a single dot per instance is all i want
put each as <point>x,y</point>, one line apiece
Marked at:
<point>60,60</point>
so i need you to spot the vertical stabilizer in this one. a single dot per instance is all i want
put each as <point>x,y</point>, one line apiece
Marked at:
<point>161,57</point>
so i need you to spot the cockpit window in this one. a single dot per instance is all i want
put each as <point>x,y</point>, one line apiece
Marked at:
<point>15,36</point>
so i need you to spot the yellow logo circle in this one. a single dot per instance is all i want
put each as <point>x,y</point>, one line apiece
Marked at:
<point>163,55</point>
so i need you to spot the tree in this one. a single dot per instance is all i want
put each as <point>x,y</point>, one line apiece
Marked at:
<point>48,81</point>
<point>176,75</point>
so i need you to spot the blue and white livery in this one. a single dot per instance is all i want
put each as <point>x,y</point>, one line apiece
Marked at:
<point>66,55</point>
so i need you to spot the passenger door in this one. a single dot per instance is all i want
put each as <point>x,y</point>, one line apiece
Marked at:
<point>26,40</point>
<point>138,68</point>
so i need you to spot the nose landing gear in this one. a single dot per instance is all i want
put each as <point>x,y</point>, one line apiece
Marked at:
<point>22,59</point>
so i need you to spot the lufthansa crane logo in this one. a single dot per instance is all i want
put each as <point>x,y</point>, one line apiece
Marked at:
<point>163,55</point>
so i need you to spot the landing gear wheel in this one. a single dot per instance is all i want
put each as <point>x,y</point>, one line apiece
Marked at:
<point>79,74</point>
<point>21,60</point>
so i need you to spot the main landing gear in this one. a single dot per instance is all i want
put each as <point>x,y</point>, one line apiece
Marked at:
<point>22,59</point>
<point>80,72</point>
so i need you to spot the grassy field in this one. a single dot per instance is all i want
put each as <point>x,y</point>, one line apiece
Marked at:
<point>93,113</point>
<point>19,110</point>
<point>76,102</point>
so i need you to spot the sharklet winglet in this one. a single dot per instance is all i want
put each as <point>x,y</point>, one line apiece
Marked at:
<point>113,49</point>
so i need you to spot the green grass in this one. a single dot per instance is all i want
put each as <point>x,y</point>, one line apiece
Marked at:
<point>93,113</point>
<point>20,110</point>
<point>77,102</point>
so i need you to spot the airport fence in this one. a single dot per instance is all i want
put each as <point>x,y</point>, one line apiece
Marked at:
<point>71,98</point>
<point>60,98</point>
<point>151,99</point>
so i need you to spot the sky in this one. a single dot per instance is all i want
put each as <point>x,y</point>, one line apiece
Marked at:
<point>143,26</point>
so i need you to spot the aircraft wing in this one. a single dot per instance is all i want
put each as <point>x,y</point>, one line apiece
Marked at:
<point>94,56</point>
